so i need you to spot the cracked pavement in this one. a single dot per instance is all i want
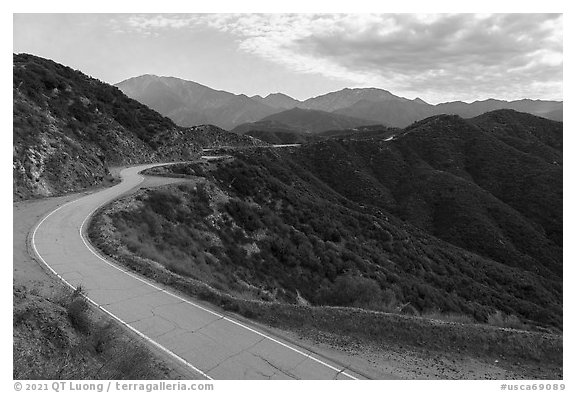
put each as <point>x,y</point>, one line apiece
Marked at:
<point>215,344</point>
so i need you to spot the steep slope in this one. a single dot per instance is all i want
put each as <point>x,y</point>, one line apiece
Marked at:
<point>189,103</point>
<point>211,136</point>
<point>536,193</point>
<point>305,121</point>
<point>68,128</point>
<point>525,132</point>
<point>459,183</point>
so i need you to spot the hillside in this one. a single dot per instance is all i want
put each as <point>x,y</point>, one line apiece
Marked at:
<point>265,126</point>
<point>408,224</point>
<point>70,128</point>
<point>459,183</point>
<point>209,136</point>
<point>283,137</point>
<point>278,133</point>
<point>557,115</point>
<point>189,103</point>
<point>363,132</point>
<point>274,132</point>
<point>395,112</point>
<point>304,121</point>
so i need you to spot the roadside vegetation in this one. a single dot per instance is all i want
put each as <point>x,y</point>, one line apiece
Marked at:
<point>532,354</point>
<point>60,337</point>
<point>258,230</point>
<point>234,236</point>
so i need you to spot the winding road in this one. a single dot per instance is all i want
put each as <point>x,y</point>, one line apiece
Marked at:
<point>213,345</point>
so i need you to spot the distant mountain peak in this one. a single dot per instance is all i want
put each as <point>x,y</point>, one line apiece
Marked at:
<point>279,101</point>
<point>189,103</point>
<point>278,94</point>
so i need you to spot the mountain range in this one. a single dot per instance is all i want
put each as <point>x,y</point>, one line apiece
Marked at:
<point>189,103</point>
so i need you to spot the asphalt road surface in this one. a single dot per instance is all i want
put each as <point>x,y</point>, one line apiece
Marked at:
<point>213,345</point>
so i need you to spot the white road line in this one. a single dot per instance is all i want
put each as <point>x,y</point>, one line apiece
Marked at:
<point>139,333</point>
<point>90,248</point>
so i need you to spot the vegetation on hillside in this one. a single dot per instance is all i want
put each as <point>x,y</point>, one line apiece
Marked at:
<point>458,183</point>
<point>82,100</point>
<point>276,135</point>
<point>262,226</point>
<point>70,128</point>
<point>59,337</point>
<point>429,223</point>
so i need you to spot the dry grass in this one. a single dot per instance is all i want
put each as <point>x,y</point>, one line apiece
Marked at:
<point>505,321</point>
<point>60,337</point>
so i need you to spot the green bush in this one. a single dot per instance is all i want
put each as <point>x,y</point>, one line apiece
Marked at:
<point>349,290</point>
<point>78,310</point>
<point>244,214</point>
<point>78,313</point>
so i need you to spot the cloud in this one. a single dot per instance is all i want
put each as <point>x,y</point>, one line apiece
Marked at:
<point>440,56</point>
<point>144,22</point>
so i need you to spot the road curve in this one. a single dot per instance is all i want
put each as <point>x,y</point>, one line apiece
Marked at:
<point>213,345</point>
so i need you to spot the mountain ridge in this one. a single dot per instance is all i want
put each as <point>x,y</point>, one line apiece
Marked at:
<point>189,103</point>
<point>372,104</point>
<point>309,121</point>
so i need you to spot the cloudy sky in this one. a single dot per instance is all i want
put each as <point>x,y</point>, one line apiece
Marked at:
<point>439,58</point>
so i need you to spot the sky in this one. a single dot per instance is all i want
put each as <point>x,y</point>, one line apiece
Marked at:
<point>437,57</point>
